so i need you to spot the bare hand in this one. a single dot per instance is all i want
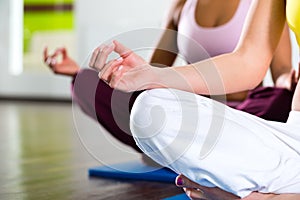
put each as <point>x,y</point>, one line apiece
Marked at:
<point>129,73</point>
<point>288,80</point>
<point>66,66</point>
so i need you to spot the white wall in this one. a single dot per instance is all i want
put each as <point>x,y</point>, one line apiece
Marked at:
<point>101,20</point>
<point>97,21</point>
<point>4,37</point>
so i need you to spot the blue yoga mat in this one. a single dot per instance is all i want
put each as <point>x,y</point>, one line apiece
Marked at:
<point>178,197</point>
<point>135,170</point>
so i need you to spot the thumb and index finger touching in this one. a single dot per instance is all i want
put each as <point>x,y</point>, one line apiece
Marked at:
<point>48,58</point>
<point>120,49</point>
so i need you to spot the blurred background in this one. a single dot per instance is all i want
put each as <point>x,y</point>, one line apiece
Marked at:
<point>46,144</point>
<point>26,27</point>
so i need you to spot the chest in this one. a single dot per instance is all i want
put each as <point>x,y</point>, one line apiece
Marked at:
<point>213,13</point>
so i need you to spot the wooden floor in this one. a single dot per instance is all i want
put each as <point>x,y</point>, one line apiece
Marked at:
<point>47,148</point>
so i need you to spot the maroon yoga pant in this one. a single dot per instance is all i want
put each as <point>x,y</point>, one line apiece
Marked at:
<point>111,108</point>
<point>269,103</point>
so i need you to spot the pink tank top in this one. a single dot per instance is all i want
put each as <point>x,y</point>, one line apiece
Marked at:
<point>196,43</point>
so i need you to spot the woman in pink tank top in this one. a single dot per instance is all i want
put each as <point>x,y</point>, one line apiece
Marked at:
<point>160,113</point>
<point>221,29</point>
<point>217,34</point>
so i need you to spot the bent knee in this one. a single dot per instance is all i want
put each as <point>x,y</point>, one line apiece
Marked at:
<point>147,116</point>
<point>157,118</point>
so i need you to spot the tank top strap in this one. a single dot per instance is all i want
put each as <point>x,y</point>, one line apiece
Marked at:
<point>188,7</point>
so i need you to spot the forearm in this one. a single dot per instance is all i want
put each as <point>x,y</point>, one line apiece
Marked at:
<point>241,70</point>
<point>281,64</point>
<point>163,58</point>
<point>166,50</point>
<point>220,75</point>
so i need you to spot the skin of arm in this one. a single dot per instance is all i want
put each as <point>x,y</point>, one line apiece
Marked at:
<point>166,50</point>
<point>241,70</point>
<point>248,63</point>
<point>281,64</point>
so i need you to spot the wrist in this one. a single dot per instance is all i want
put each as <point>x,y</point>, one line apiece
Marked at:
<point>169,77</point>
<point>156,80</point>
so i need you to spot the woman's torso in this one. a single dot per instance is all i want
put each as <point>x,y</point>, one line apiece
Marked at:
<point>210,29</point>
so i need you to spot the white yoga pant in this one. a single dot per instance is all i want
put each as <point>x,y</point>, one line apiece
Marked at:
<point>215,145</point>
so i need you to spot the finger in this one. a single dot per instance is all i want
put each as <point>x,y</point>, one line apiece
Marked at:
<point>94,56</point>
<point>115,80</point>
<point>64,52</point>
<point>45,54</point>
<point>102,56</point>
<point>109,68</point>
<point>60,51</point>
<point>50,60</point>
<point>121,49</point>
<point>194,193</point>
